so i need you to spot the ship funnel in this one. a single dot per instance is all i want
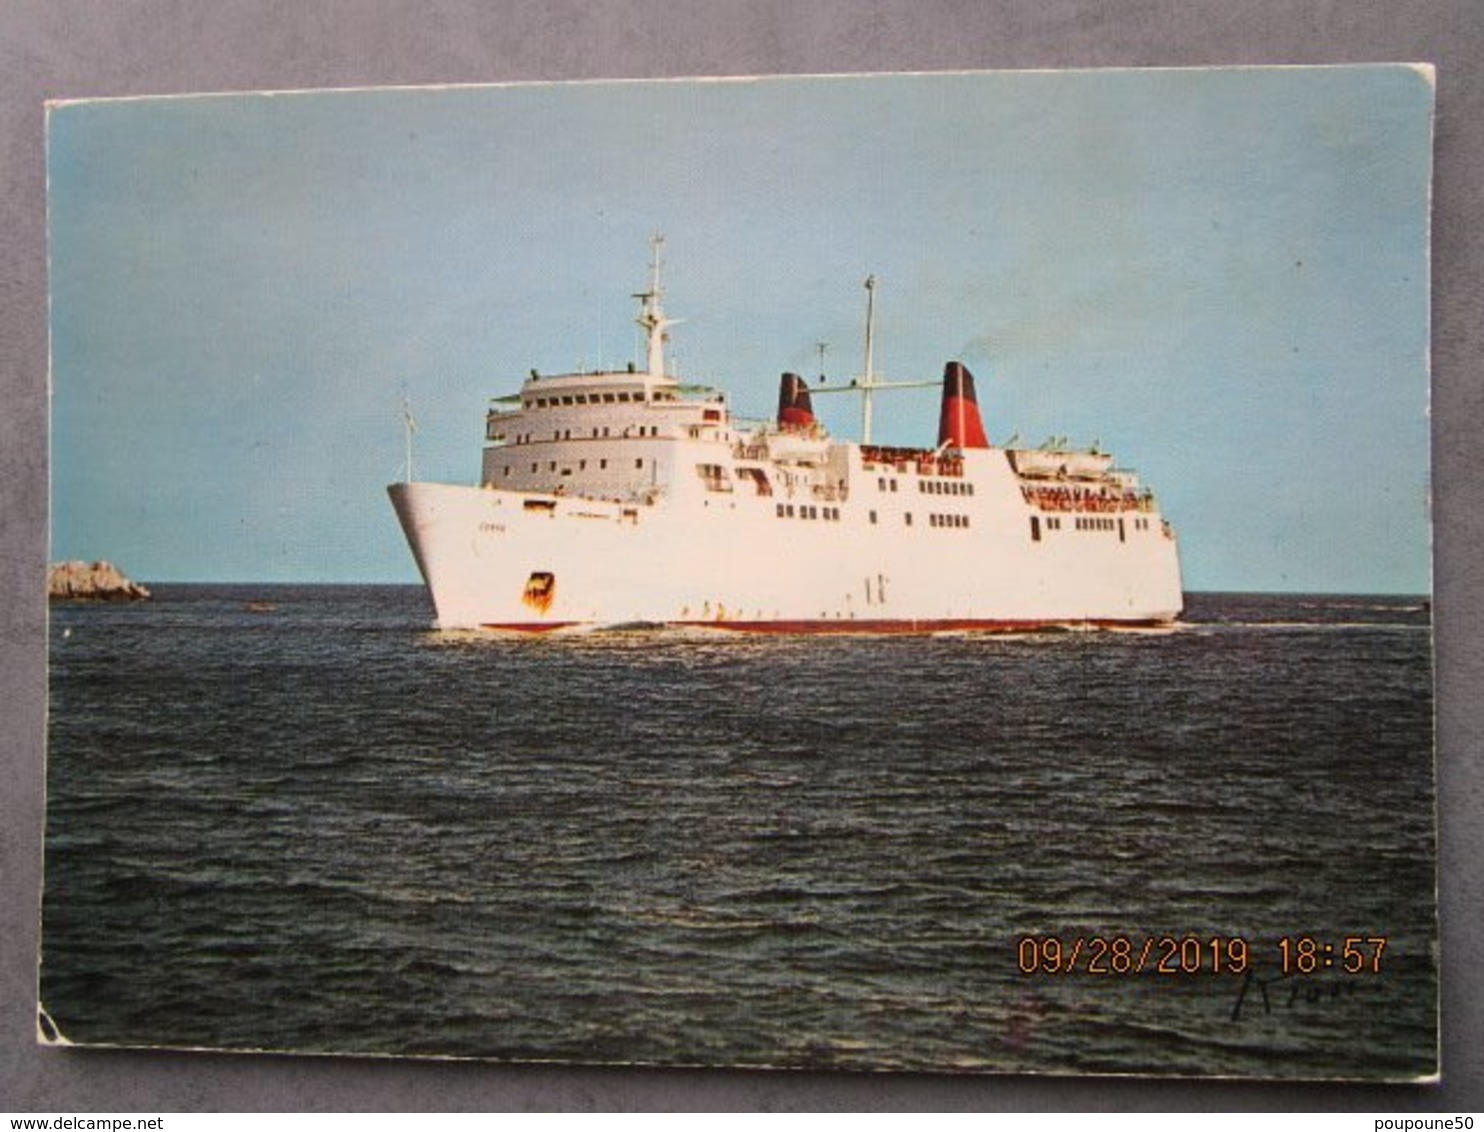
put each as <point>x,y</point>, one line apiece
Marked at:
<point>959,423</point>
<point>795,410</point>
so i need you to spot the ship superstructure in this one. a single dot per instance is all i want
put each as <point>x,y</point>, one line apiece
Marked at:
<point>620,497</point>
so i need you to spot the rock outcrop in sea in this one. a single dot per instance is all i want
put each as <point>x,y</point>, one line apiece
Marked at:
<point>100,581</point>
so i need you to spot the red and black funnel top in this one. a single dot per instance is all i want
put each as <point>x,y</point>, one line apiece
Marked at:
<point>795,410</point>
<point>959,424</point>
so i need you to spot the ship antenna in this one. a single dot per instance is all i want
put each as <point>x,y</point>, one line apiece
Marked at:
<point>652,318</point>
<point>409,425</point>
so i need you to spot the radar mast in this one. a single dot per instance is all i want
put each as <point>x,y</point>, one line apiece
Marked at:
<point>652,318</point>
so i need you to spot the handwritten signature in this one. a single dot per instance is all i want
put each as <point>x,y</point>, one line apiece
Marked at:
<point>1301,992</point>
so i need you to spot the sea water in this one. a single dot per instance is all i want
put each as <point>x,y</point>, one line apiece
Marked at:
<point>294,818</point>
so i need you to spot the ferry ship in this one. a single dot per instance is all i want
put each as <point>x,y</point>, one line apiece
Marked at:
<point>628,497</point>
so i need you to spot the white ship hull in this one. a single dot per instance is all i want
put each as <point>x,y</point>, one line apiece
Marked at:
<point>729,560</point>
<point>614,497</point>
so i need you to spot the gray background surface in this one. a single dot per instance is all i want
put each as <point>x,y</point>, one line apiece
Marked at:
<point>75,48</point>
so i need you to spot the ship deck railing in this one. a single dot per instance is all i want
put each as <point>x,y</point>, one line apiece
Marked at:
<point>923,461</point>
<point>1087,500</point>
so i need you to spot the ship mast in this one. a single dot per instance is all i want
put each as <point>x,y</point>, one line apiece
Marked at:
<point>652,318</point>
<point>868,381</point>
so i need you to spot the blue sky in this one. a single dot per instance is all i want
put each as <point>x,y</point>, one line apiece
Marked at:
<point>1220,276</point>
